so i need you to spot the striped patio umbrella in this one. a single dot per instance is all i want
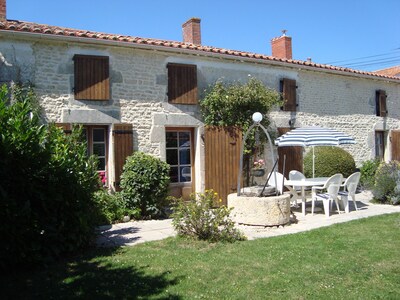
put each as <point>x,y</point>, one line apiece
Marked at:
<point>313,136</point>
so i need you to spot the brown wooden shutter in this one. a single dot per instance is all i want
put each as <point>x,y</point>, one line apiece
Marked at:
<point>294,156</point>
<point>182,84</point>
<point>382,103</point>
<point>66,127</point>
<point>123,147</point>
<point>395,140</point>
<point>289,94</point>
<point>91,77</point>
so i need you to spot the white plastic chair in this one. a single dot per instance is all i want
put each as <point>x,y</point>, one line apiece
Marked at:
<point>327,193</point>
<point>280,181</point>
<point>296,175</point>
<point>349,190</point>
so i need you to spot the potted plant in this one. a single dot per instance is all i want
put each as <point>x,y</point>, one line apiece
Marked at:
<point>258,170</point>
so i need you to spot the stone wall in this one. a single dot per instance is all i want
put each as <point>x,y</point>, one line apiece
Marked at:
<point>139,84</point>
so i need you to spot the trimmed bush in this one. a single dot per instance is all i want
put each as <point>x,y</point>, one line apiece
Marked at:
<point>111,208</point>
<point>201,218</point>
<point>46,186</point>
<point>368,170</point>
<point>144,182</point>
<point>387,183</point>
<point>329,161</point>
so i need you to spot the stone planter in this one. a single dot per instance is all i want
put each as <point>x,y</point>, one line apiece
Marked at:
<point>262,211</point>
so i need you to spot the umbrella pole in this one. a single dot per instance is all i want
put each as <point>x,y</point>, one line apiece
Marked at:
<point>313,162</point>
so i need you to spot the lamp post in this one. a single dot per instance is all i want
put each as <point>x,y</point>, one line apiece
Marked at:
<point>257,118</point>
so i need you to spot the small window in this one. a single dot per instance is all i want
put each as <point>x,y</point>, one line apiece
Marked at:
<point>96,137</point>
<point>380,144</point>
<point>288,91</point>
<point>179,155</point>
<point>380,100</point>
<point>91,77</point>
<point>182,84</point>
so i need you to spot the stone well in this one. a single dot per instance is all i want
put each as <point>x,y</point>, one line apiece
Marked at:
<point>262,211</point>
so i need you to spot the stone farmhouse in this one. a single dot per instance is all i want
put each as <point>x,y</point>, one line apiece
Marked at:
<point>142,94</point>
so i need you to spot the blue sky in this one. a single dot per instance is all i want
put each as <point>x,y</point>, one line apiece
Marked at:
<point>328,31</point>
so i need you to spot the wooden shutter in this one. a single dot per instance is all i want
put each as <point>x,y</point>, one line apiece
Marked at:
<point>123,147</point>
<point>395,140</point>
<point>289,94</point>
<point>294,156</point>
<point>182,84</point>
<point>91,77</point>
<point>381,102</point>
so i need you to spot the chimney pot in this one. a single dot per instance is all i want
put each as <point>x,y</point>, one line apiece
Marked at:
<point>191,31</point>
<point>3,11</point>
<point>282,46</point>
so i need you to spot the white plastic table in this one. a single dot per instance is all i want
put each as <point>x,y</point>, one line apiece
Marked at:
<point>303,183</point>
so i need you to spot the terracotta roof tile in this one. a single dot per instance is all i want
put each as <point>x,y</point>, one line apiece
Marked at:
<point>34,28</point>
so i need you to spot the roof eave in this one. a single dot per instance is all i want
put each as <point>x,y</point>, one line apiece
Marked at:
<point>241,58</point>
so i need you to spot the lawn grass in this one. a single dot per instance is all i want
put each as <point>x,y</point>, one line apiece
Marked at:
<point>354,260</point>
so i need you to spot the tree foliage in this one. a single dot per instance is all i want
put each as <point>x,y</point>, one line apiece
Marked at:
<point>46,185</point>
<point>233,104</point>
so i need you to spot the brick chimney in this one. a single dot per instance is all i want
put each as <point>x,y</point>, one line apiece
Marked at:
<point>282,46</point>
<point>191,31</point>
<point>3,10</point>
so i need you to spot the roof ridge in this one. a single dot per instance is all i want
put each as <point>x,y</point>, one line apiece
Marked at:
<point>36,28</point>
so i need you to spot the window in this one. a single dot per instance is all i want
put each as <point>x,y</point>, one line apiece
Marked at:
<point>380,144</point>
<point>91,77</point>
<point>288,90</point>
<point>96,137</point>
<point>182,84</point>
<point>380,100</point>
<point>179,154</point>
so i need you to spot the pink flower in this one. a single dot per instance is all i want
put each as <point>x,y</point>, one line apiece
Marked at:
<point>258,164</point>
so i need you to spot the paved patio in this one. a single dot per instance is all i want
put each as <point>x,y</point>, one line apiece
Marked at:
<point>132,233</point>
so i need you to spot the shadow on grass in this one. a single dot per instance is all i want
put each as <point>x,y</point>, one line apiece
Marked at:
<point>98,275</point>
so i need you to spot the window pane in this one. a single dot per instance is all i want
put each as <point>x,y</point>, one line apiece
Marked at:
<point>171,139</point>
<point>379,144</point>
<point>184,156</point>
<point>98,135</point>
<point>99,149</point>
<point>102,164</point>
<point>185,174</point>
<point>172,156</point>
<point>184,139</point>
<point>173,173</point>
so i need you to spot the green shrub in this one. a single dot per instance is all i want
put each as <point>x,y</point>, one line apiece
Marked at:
<point>368,170</point>
<point>144,182</point>
<point>387,183</point>
<point>46,186</point>
<point>329,161</point>
<point>111,208</point>
<point>201,218</point>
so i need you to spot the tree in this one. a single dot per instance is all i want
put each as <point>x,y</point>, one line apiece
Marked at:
<point>233,104</point>
<point>46,185</point>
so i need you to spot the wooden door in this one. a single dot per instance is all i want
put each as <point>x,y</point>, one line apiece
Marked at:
<point>395,138</point>
<point>294,156</point>
<point>222,155</point>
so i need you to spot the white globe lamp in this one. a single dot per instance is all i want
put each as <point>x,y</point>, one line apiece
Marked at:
<point>257,117</point>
